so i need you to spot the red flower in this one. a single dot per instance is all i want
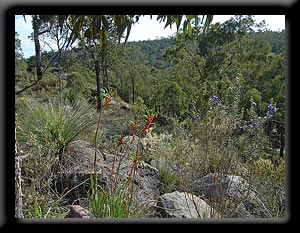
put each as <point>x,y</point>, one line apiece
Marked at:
<point>135,161</point>
<point>120,140</point>
<point>133,127</point>
<point>108,99</point>
<point>138,158</point>
<point>149,121</point>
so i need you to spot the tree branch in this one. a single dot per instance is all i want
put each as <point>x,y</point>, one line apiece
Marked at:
<point>33,84</point>
<point>42,32</point>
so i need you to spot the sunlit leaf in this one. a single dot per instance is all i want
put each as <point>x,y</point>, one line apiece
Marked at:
<point>184,26</point>
<point>77,28</point>
<point>169,21</point>
<point>196,20</point>
<point>61,20</point>
<point>178,22</point>
<point>189,17</point>
<point>128,32</point>
<point>208,20</point>
<point>189,29</point>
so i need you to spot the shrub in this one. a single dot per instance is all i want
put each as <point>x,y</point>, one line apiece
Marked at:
<point>43,132</point>
<point>223,141</point>
<point>269,182</point>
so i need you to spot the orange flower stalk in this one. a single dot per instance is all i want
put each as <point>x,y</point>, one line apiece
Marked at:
<point>135,161</point>
<point>108,99</point>
<point>133,127</point>
<point>120,140</point>
<point>149,121</point>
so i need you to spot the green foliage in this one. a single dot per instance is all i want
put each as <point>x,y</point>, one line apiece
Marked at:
<point>139,107</point>
<point>250,96</point>
<point>222,141</point>
<point>109,204</point>
<point>50,83</point>
<point>18,47</point>
<point>268,178</point>
<point>71,94</point>
<point>155,50</point>
<point>171,97</point>
<point>37,212</point>
<point>40,204</point>
<point>169,179</point>
<point>276,39</point>
<point>74,87</point>
<point>45,129</point>
<point>74,78</point>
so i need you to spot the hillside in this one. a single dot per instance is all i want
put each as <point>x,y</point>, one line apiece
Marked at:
<point>132,131</point>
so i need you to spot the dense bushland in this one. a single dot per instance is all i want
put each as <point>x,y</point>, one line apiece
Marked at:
<point>216,96</point>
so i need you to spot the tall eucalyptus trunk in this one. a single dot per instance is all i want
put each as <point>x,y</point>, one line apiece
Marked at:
<point>38,57</point>
<point>105,76</point>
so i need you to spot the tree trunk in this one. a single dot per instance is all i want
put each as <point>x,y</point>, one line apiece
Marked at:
<point>59,76</point>
<point>105,76</point>
<point>37,45</point>
<point>18,184</point>
<point>97,70</point>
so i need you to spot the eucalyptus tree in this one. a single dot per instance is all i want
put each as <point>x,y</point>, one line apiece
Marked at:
<point>98,28</point>
<point>36,23</point>
<point>212,60</point>
<point>137,68</point>
<point>42,25</point>
<point>129,72</point>
<point>234,54</point>
<point>56,39</point>
<point>18,48</point>
<point>20,61</point>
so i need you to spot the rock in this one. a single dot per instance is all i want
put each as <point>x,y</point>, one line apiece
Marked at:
<point>232,193</point>
<point>146,183</point>
<point>73,171</point>
<point>149,185</point>
<point>112,102</point>
<point>77,211</point>
<point>184,205</point>
<point>111,172</point>
<point>124,106</point>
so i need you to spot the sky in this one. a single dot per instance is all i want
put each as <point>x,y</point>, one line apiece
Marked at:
<point>145,29</point>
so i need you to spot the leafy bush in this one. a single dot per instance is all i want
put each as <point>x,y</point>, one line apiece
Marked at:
<point>224,141</point>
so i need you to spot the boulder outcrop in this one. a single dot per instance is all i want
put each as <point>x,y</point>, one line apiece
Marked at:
<point>184,205</point>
